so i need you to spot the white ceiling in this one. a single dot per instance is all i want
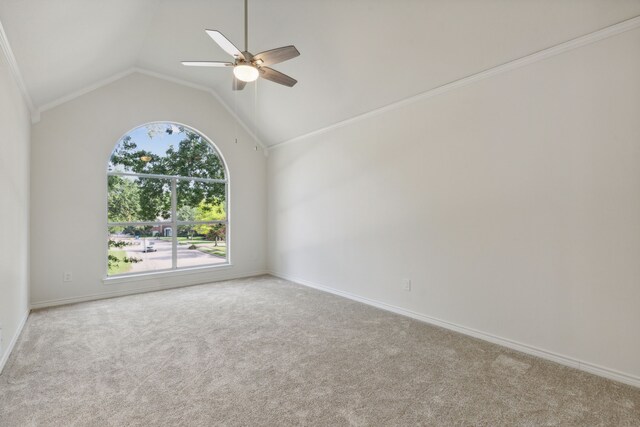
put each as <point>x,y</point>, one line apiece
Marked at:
<point>356,55</point>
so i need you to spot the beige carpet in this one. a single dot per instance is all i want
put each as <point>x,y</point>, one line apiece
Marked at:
<point>265,351</point>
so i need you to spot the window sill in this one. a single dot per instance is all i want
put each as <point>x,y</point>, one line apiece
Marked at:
<point>128,278</point>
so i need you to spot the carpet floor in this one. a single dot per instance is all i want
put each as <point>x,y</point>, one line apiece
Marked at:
<point>265,351</point>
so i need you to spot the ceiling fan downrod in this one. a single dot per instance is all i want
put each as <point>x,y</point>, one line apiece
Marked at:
<point>246,25</point>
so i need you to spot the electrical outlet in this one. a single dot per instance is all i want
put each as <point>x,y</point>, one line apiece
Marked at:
<point>406,285</point>
<point>67,276</point>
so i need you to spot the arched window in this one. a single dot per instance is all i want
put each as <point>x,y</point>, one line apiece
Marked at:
<point>167,201</point>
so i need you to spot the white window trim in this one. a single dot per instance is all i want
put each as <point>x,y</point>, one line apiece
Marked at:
<point>185,271</point>
<point>174,270</point>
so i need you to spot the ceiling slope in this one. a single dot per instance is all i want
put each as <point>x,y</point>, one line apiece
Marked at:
<point>356,56</point>
<point>64,45</point>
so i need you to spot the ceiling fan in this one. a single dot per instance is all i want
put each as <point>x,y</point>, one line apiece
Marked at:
<point>246,66</point>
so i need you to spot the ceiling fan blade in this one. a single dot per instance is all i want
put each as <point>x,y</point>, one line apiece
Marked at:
<point>277,76</point>
<point>224,43</point>
<point>238,84</point>
<point>207,64</point>
<point>274,56</point>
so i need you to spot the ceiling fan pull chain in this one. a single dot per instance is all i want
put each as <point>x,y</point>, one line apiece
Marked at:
<point>255,110</point>
<point>235,108</point>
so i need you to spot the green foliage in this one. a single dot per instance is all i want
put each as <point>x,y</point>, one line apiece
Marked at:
<point>123,199</point>
<point>116,257</point>
<point>118,267</point>
<point>194,157</point>
<point>217,233</point>
<point>186,213</point>
<point>208,212</point>
<point>155,199</point>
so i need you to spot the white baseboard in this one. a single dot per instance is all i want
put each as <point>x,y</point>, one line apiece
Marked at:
<point>125,292</point>
<point>591,368</point>
<point>14,340</point>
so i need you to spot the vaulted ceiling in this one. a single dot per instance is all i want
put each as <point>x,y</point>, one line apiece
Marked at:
<point>356,55</point>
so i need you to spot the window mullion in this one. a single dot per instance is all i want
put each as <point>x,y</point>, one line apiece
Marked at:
<point>174,224</point>
<point>211,222</point>
<point>151,175</point>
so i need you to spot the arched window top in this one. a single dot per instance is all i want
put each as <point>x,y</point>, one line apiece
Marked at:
<point>167,149</point>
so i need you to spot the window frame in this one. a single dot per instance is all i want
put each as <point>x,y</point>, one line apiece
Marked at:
<point>173,221</point>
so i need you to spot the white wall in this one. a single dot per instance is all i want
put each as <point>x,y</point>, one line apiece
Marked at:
<point>513,204</point>
<point>71,147</point>
<point>15,127</point>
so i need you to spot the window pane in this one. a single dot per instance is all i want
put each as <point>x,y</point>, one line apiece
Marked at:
<point>132,199</point>
<point>201,201</point>
<point>167,149</point>
<point>200,245</point>
<point>139,249</point>
<point>180,158</point>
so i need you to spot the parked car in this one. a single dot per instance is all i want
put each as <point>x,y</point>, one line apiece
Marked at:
<point>148,247</point>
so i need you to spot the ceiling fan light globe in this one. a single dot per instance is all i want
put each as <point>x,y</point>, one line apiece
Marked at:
<point>246,73</point>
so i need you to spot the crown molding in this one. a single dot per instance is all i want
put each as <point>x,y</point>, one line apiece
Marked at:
<point>593,37</point>
<point>144,71</point>
<point>17,75</point>
<point>78,93</point>
<point>540,55</point>
<point>213,94</point>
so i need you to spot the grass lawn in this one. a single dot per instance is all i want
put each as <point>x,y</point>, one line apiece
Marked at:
<point>121,267</point>
<point>203,245</point>
<point>220,251</point>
